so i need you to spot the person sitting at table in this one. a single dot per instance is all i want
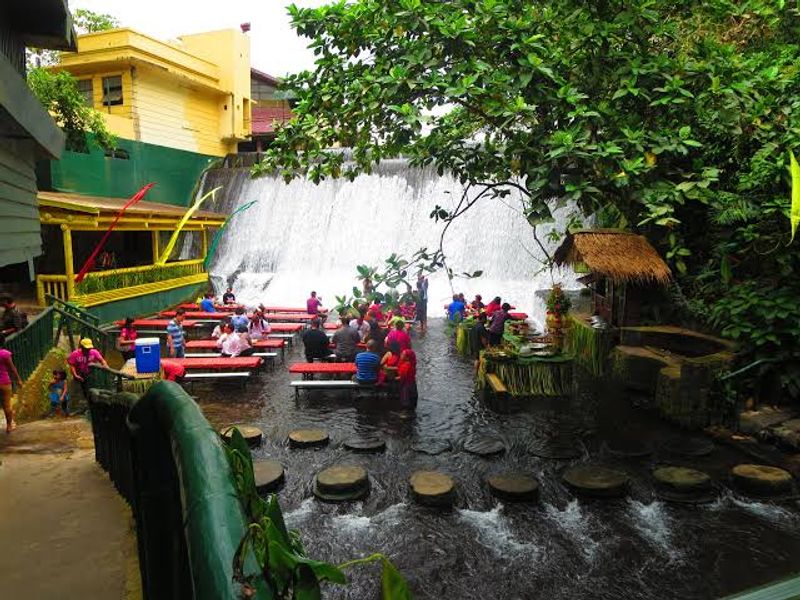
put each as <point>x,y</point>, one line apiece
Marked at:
<point>367,365</point>
<point>407,379</point>
<point>477,304</point>
<point>228,297</point>
<point>207,303</point>
<point>389,362</point>
<point>172,370</point>
<point>233,343</point>
<point>315,342</point>
<point>456,309</point>
<point>377,310</point>
<point>313,304</point>
<point>126,341</point>
<point>493,306</point>
<point>408,310</point>
<point>240,319</point>
<point>360,325</point>
<point>398,334</point>
<point>346,340</point>
<point>259,326</point>
<point>220,328</point>
<point>497,325</point>
<point>376,333</point>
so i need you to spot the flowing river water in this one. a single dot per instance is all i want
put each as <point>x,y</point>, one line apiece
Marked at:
<point>638,547</point>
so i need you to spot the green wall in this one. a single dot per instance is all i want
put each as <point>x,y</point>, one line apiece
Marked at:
<point>142,306</point>
<point>174,172</point>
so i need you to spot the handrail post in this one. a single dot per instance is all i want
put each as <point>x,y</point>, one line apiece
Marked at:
<point>69,265</point>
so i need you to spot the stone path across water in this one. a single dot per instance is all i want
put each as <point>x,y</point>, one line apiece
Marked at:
<point>64,530</point>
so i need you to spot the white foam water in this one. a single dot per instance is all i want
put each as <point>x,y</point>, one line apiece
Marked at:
<point>655,525</point>
<point>294,517</point>
<point>578,525</point>
<point>303,236</point>
<point>495,533</point>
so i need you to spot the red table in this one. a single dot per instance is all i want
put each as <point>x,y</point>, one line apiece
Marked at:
<point>330,325</point>
<point>212,344</point>
<point>220,307</point>
<point>196,314</point>
<point>518,315</point>
<point>293,316</point>
<point>154,323</point>
<point>285,327</point>
<point>219,363</point>
<point>288,309</point>
<point>309,369</point>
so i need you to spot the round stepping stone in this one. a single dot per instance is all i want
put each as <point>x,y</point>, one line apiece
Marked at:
<point>683,485</point>
<point>268,475</point>
<point>690,447</point>
<point>762,479</point>
<point>433,488</point>
<point>252,435</point>
<point>307,438</point>
<point>365,445</point>
<point>432,447</point>
<point>558,448</point>
<point>516,487</point>
<point>629,448</point>
<point>596,481</point>
<point>341,483</point>
<point>484,446</point>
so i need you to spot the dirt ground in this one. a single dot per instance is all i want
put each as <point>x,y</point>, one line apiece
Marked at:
<point>64,530</point>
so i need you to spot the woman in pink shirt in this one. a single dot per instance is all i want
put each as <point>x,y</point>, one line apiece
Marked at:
<point>399,335</point>
<point>7,369</point>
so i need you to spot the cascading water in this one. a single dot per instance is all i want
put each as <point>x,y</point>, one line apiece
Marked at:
<point>303,236</point>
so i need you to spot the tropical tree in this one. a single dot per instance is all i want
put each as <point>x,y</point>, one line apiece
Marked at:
<point>671,117</point>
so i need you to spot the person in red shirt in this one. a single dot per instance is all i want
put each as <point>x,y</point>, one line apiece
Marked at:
<point>407,378</point>
<point>399,335</point>
<point>172,370</point>
<point>493,306</point>
<point>313,304</point>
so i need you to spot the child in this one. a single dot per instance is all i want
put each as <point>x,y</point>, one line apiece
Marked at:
<point>407,377</point>
<point>58,392</point>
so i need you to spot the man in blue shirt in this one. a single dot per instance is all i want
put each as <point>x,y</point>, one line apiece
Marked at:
<point>207,303</point>
<point>239,320</point>
<point>367,365</point>
<point>456,309</point>
<point>175,336</point>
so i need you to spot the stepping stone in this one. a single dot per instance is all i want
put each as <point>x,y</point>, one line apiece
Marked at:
<point>596,481</point>
<point>252,435</point>
<point>684,485</point>
<point>432,447</point>
<point>689,447</point>
<point>433,488</point>
<point>268,475</point>
<point>341,483</point>
<point>308,438</point>
<point>762,480</point>
<point>558,448</point>
<point>753,421</point>
<point>629,448</point>
<point>484,446</point>
<point>365,445</point>
<point>513,486</point>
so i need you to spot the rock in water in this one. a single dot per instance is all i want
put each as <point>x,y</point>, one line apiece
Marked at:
<point>433,488</point>
<point>268,475</point>
<point>629,448</point>
<point>252,435</point>
<point>341,483</point>
<point>365,445</point>
<point>762,480</point>
<point>513,486</point>
<point>307,438</point>
<point>432,446</point>
<point>596,481</point>
<point>484,446</point>
<point>682,479</point>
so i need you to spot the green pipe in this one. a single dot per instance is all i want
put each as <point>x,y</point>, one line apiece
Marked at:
<point>744,369</point>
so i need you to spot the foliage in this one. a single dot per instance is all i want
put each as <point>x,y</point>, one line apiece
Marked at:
<point>671,117</point>
<point>587,345</point>
<point>557,302</point>
<point>85,21</point>
<point>58,92</point>
<point>279,552</point>
<point>102,281</point>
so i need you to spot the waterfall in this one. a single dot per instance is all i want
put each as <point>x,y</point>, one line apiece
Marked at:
<point>302,237</point>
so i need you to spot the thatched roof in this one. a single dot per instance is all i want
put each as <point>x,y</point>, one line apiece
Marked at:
<point>621,256</point>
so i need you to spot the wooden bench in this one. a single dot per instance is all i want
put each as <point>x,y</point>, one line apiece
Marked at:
<point>288,337</point>
<point>497,385</point>
<point>328,384</point>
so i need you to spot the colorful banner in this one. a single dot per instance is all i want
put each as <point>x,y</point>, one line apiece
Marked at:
<point>174,239</point>
<point>213,248</point>
<point>87,266</point>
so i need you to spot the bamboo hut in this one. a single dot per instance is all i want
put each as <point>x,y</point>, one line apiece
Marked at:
<point>620,268</point>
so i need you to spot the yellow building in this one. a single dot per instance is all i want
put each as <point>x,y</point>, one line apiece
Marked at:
<point>175,106</point>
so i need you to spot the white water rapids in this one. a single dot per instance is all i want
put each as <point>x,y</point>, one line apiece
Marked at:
<point>301,237</point>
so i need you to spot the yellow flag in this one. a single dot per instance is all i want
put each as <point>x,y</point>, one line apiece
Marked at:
<point>794,215</point>
<point>174,239</point>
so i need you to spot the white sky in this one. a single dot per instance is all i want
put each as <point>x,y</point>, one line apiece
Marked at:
<point>275,49</point>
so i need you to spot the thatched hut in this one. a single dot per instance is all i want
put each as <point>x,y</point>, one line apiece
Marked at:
<point>621,267</point>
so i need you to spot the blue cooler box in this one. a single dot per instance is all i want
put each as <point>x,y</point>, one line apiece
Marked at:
<point>148,355</point>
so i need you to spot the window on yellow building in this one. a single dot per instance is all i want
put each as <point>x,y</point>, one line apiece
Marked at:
<point>85,88</point>
<point>112,91</point>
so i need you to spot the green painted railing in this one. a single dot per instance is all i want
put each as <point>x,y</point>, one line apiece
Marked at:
<point>168,462</point>
<point>73,309</point>
<point>31,345</point>
<point>785,589</point>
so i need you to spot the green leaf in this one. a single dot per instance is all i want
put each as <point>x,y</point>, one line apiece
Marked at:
<point>393,585</point>
<point>306,586</point>
<point>794,215</point>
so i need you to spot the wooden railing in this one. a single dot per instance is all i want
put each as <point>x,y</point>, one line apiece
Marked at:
<point>31,345</point>
<point>100,282</point>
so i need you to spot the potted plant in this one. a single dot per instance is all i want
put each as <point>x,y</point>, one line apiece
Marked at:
<point>558,305</point>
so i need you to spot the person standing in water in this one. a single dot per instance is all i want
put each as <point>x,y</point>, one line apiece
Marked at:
<point>313,304</point>
<point>422,302</point>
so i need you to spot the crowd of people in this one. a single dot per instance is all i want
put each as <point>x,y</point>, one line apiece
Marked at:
<point>496,313</point>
